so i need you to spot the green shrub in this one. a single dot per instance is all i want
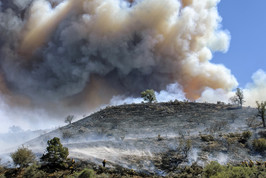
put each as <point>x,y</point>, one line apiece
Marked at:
<point>236,172</point>
<point>215,170</point>
<point>33,171</point>
<point>23,157</point>
<point>87,173</point>
<point>259,144</point>
<point>212,169</point>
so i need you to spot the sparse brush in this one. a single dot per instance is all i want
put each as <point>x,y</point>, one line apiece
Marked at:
<point>184,147</point>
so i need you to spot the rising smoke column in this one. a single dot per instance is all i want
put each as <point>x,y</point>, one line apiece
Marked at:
<point>149,44</point>
<point>58,54</point>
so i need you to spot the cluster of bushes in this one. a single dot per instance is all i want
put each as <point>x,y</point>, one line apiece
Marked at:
<point>215,170</point>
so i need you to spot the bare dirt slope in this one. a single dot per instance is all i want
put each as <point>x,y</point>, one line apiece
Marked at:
<point>162,136</point>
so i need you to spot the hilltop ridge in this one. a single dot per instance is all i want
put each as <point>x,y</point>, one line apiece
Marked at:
<point>146,136</point>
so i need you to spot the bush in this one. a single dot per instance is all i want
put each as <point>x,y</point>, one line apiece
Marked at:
<point>87,173</point>
<point>33,171</point>
<point>246,135</point>
<point>212,169</point>
<point>23,157</point>
<point>259,144</point>
<point>148,95</point>
<point>56,154</point>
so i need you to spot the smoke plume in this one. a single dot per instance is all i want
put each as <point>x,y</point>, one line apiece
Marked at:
<point>78,54</point>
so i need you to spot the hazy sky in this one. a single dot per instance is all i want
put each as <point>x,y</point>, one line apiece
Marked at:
<point>246,22</point>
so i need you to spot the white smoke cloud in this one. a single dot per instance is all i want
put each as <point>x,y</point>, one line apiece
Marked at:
<point>256,91</point>
<point>172,92</point>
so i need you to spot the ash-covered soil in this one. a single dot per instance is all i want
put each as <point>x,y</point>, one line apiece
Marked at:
<point>160,137</point>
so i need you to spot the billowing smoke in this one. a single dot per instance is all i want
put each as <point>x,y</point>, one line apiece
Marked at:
<point>78,54</point>
<point>252,92</point>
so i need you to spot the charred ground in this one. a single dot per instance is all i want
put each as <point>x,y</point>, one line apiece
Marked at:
<point>159,138</point>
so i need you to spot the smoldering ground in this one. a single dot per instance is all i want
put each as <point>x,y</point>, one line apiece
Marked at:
<point>62,56</point>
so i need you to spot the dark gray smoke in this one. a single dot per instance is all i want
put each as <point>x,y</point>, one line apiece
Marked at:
<point>53,49</point>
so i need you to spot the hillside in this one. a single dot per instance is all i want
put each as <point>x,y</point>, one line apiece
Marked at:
<point>160,137</point>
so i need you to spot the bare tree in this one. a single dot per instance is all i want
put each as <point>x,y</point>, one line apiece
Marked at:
<point>261,111</point>
<point>69,119</point>
<point>238,98</point>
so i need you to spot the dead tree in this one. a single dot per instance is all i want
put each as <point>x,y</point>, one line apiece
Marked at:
<point>69,119</point>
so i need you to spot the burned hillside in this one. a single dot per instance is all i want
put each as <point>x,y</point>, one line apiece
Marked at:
<point>161,137</point>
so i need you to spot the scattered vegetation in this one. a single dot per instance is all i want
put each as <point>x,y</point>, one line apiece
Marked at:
<point>171,163</point>
<point>262,111</point>
<point>23,157</point>
<point>148,95</point>
<point>56,155</point>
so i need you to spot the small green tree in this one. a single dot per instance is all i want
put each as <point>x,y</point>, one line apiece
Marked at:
<point>56,154</point>
<point>261,111</point>
<point>23,157</point>
<point>238,98</point>
<point>148,95</point>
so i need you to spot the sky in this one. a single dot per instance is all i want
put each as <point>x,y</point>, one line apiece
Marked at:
<point>246,22</point>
